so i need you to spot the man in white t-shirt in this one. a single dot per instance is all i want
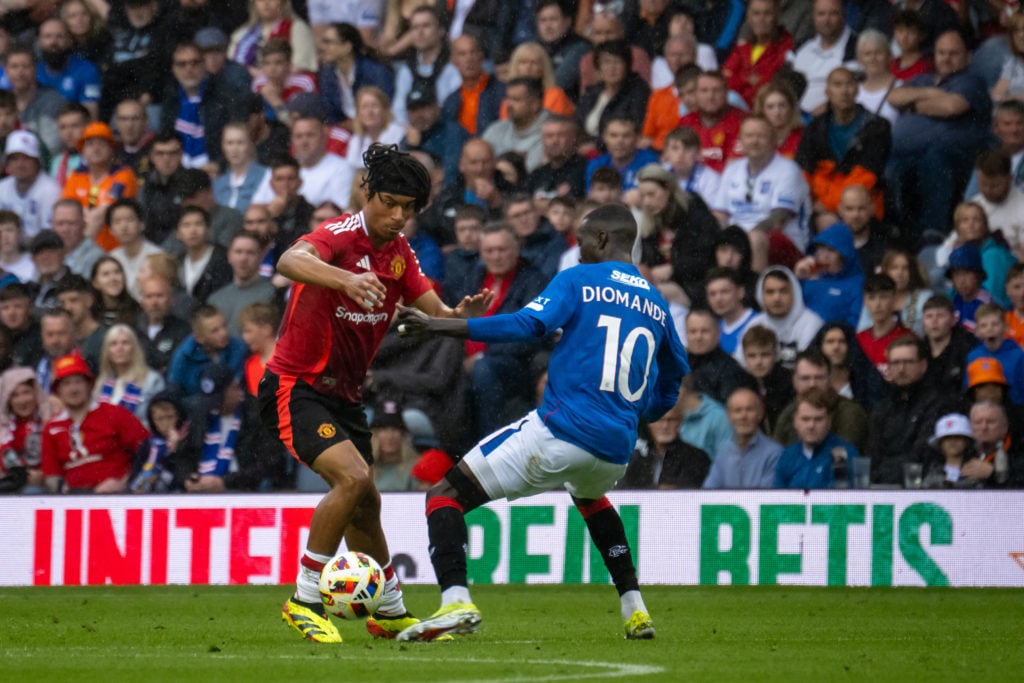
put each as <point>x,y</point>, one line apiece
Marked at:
<point>27,191</point>
<point>833,45</point>
<point>763,192</point>
<point>1002,201</point>
<point>325,176</point>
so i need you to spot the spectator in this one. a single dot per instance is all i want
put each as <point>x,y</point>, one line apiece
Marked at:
<point>991,332</point>
<point>87,447</point>
<point>565,48</point>
<point>879,292</point>
<point>784,312</point>
<point>393,453</point>
<point>911,293</point>
<point>132,125</point>
<point>765,194</point>
<point>140,50</point>
<point>1008,129</point>
<point>76,79</point>
<point>664,461</point>
<point>746,460</point>
<point>99,182</point>
<point>236,186</point>
<point>777,103</point>
<point>971,227</point>
<point>124,378</point>
<point>15,263</point>
<point>677,233</point>
<point>26,190</point>
<point>47,252</point>
<point>768,40</point>
<point>851,373</point>
<point>71,122</point>
<point>846,145</point>
<point>428,66</point>
<point>870,237</point>
<point>676,99</point>
<point>259,322</point>
<point>288,209</point>
<point>955,442</point>
<point>819,458</point>
<point>325,176</point>
<point>605,186</point>
<point>666,65</point>
<point>213,43</point>
<point>647,24</point>
<point>268,20</point>
<point>76,296</point>
<point>847,418</point>
<point>1002,202</point>
<point>90,37</point>
<point>529,60</point>
<point>760,349</point>
<point>717,122</point>
<point>247,286</point>
<point>196,190</point>
<point>1010,85</point>
<point>948,345</point>
<point>460,262</point>
<point>936,139</point>
<point>24,408</point>
<point>620,140</point>
<point>37,107</point>
<point>607,27</point>
<point>112,301</point>
<point>431,133</point>
<point>272,138</point>
<point>498,371</point>
<point>563,172</point>
<point>705,425</point>
<point>166,421</point>
<point>373,123</point>
<point>476,104</point>
<point>125,220</point>
<point>682,157</point>
<point>831,278</point>
<point>725,295</point>
<point>159,194</point>
<point>427,252</point>
<point>1015,293</point>
<point>80,253</point>
<point>618,93</point>
<point>345,67</point>
<point>56,333</point>
<point>874,57</point>
<point>909,34</point>
<point>539,243</point>
<point>986,381</point>
<point>197,106</point>
<point>715,373</point>
<point>208,343</point>
<point>521,131</point>
<point>967,273</point>
<point>204,267</point>
<point>833,45</point>
<point>1001,461</point>
<point>159,329</point>
<point>903,422</point>
<point>16,318</point>
<point>223,449</point>
<point>275,80</point>
<point>477,183</point>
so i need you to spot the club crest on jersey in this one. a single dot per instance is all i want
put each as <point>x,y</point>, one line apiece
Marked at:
<point>326,430</point>
<point>397,266</point>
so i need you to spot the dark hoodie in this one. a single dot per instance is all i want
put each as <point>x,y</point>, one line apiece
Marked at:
<point>736,237</point>
<point>866,382</point>
<point>836,297</point>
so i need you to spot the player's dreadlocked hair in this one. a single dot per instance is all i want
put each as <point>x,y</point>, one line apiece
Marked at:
<point>388,170</point>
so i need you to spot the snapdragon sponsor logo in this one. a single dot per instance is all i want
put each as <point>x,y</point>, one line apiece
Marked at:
<point>360,318</point>
<point>634,302</point>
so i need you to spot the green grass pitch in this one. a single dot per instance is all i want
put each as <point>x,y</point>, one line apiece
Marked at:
<point>530,634</point>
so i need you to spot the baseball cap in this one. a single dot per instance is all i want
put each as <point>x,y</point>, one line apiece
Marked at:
<point>45,239</point>
<point>985,371</point>
<point>388,414</point>
<point>210,38</point>
<point>308,105</point>
<point>96,129</point>
<point>953,424</point>
<point>421,95</point>
<point>965,257</point>
<point>66,366</point>
<point>22,142</point>
<point>215,379</point>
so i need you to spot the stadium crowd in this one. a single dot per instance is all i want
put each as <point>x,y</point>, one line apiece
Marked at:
<point>830,194</point>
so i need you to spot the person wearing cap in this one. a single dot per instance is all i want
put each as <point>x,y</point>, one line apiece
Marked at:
<point>99,182</point>
<point>27,190</point>
<point>967,273</point>
<point>430,132</point>
<point>37,106</point>
<point>345,67</point>
<point>954,441</point>
<point>213,43</point>
<point>47,250</point>
<point>87,446</point>
<point>77,79</point>
<point>393,452</point>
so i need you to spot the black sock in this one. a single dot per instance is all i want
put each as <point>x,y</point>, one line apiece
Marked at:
<point>446,530</point>
<point>609,536</point>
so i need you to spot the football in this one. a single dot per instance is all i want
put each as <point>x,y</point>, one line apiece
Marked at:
<point>352,585</point>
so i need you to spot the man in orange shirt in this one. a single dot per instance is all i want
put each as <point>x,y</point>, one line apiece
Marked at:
<point>98,182</point>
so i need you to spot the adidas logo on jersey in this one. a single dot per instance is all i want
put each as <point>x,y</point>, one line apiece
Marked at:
<point>631,280</point>
<point>364,263</point>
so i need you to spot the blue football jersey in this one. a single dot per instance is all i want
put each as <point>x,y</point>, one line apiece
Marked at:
<point>618,359</point>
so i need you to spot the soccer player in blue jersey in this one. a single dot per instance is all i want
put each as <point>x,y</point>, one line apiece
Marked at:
<point>619,359</point>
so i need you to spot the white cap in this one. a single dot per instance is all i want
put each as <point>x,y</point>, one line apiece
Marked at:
<point>22,142</point>
<point>953,424</point>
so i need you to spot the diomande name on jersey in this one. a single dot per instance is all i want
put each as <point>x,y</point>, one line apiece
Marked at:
<point>611,295</point>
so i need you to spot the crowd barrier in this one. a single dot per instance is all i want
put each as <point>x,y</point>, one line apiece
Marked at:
<point>818,538</point>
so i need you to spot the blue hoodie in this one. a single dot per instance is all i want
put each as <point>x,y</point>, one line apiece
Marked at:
<point>839,297</point>
<point>794,470</point>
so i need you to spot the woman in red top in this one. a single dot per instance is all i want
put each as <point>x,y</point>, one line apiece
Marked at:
<point>754,60</point>
<point>778,104</point>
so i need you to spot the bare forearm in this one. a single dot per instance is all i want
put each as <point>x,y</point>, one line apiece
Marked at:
<point>301,266</point>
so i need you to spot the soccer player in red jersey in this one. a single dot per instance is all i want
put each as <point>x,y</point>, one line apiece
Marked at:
<point>349,273</point>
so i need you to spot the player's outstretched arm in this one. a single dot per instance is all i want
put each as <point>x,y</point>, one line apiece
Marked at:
<point>302,263</point>
<point>470,306</point>
<point>414,322</point>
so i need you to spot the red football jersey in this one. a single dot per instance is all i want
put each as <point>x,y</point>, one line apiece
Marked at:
<point>326,338</point>
<point>720,143</point>
<point>103,447</point>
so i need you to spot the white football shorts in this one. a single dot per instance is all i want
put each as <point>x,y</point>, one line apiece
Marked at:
<point>525,458</point>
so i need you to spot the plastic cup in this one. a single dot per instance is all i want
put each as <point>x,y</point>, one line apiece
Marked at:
<point>861,473</point>
<point>913,475</point>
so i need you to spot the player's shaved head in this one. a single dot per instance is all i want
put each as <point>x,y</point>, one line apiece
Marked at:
<point>614,219</point>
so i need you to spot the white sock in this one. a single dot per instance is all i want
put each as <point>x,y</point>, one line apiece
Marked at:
<point>631,602</point>
<point>307,584</point>
<point>393,605</point>
<point>455,594</point>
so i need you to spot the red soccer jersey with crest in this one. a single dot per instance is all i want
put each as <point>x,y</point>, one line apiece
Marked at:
<point>327,339</point>
<point>720,143</point>
<point>103,446</point>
